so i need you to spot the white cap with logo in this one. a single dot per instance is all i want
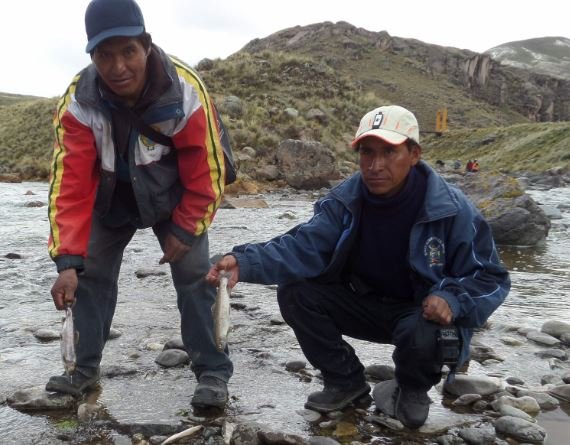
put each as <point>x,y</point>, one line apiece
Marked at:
<point>391,123</point>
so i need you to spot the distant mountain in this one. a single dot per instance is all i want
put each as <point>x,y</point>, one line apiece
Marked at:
<point>545,55</point>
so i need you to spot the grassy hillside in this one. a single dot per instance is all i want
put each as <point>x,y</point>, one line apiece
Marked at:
<point>277,92</point>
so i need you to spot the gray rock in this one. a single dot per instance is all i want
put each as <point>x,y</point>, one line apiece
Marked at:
<point>566,377</point>
<point>467,384</point>
<point>511,341</point>
<point>279,438</point>
<point>481,353</point>
<point>291,112</point>
<point>38,399</point>
<point>551,379</point>
<point>295,365</point>
<point>541,338</point>
<point>466,400</point>
<point>507,410</point>
<point>520,429</point>
<point>172,358</point>
<point>448,439</point>
<point>379,372</point>
<point>232,106</point>
<point>565,339</point>
<point>526,403</point>
<point>320,440</point>
<point>118,370</point>
<point>149,272</point>
<point>561,392</point>
<point>246,433</point>
<point>478,436</point>
<point>515,381</point>
<point>544,400</point>
<point>114,333</point>
<point>553,352</point>
<point>306,164</point>
<point>175,343</point>
<point>309,415</point>
<point>555,328</point>
<point>45,334</point>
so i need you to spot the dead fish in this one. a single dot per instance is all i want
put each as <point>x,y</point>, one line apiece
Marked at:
<point>182,434</point>
<point>68,339</point>
<point>221,312</point>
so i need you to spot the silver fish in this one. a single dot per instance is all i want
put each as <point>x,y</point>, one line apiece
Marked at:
<point>221,312</point>
<point>68,339</point>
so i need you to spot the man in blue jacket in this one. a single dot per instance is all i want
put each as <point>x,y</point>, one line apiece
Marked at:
<point>392,255</point>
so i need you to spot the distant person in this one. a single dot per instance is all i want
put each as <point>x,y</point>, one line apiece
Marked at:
<point>475,166</point>
<point>110,177</point>
<point>440,164</point>
<point>457,164</point>
<point>469,166</point>
<point>394,254</point>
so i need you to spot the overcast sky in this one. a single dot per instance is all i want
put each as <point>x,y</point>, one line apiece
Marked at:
<point>43,41</point>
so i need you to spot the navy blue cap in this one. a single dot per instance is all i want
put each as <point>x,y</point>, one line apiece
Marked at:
<point>112,18</point>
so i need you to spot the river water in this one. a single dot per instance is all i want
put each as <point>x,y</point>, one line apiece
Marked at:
<point>146,315</point>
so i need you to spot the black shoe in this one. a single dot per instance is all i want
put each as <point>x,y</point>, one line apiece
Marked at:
<point>412,407</point>
<point>334,398</point>
<point>210,392</point>
<point>76,383</point>
<point>408,406</point>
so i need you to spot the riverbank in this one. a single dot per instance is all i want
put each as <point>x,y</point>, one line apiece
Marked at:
<point>270,385</point>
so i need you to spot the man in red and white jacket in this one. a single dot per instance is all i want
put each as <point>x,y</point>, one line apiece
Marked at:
<point>108,180</point>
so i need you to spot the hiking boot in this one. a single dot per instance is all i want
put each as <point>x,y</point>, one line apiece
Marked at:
<point>210,392</point>
<point>334,398</point>
<point>76,383</point>
<point>412,407</point>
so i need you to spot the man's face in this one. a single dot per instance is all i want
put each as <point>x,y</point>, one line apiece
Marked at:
<point>121,64</point>
<point>384,167</point>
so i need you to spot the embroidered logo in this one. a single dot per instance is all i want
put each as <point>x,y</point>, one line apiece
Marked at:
<point>377,120</point>
<point>434,251</point>
<point>146,141</point>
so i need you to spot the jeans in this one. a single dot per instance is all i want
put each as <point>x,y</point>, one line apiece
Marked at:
<point>320,314</point>
<point>96,299</point>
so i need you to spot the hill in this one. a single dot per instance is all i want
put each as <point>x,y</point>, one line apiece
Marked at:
<point>546,55</point>
<point>315,82</point>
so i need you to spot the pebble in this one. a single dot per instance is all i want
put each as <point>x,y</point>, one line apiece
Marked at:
<point>45,334</point>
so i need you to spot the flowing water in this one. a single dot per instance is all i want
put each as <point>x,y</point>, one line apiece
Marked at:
<point>540,292</point>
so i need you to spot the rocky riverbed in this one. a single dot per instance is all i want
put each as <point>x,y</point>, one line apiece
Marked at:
<point>514,391</point>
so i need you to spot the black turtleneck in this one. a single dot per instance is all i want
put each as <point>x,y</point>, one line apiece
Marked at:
<point>379,257</point>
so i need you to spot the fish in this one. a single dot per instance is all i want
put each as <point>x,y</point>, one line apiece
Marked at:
<point>221,312</point>
<point>68,340</point>
<point>190,431</point>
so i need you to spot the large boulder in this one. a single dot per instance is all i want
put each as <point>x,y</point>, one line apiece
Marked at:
<point>515,218</point>
<point>306,164</point>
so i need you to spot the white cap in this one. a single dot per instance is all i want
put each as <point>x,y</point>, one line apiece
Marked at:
<point>392,123</point>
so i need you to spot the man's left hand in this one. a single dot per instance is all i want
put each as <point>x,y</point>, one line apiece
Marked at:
<point>174,250</point>
<point>437,310</point>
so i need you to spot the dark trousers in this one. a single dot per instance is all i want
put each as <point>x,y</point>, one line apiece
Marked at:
<point>321,314</point>
<point>96,299</point>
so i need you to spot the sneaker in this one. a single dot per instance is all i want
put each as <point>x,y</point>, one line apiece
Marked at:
<point>412,407</point>
<point>334,398</point>
<point>76,383</point>
<point>210,392</point>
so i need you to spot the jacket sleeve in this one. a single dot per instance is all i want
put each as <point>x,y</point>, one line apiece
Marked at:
<point>200,162</point>
<point>303,252</point>
<point>73,184</point>
<point>475,282</point>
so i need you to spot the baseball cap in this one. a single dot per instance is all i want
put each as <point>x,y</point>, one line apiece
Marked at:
<point>391,123</point>
<point>112,18</point>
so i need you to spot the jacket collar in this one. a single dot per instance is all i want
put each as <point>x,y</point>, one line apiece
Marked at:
<point>440,201</point>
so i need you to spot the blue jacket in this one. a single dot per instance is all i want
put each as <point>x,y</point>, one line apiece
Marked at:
<point>452,252</point>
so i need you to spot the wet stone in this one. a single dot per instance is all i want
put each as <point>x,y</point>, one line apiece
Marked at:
<point>144,273</point>
<point>38,399</point>
<point>544,400</point>
<point>468,384</point>
<point>309,415</point>
<point>295,365</point>
<point>13,256</point>
<point>561,392</point>
<point>448,439</point>
<point>515,381</point>
<point>175,343</point>
<point>172,358</point>
<point>551,379</point>
<point>466,399</point>
<point>507,410</point>
<point>319,440</point>
<point>553,353</point>
<point>520,429</point>
<point>525,403</point>
<point>511,341</point>
<point>543,339</point>
<point>478,436</point>
<point>379,372</point>
<point>278,438</point>
<point>118,370</point>
<point>114,333</point>
<point>555,328</point>
<point>45,334</point>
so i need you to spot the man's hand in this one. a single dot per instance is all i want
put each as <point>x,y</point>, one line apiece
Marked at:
<point>63,290</point>
<point>174,249</point>
<point>436,309</point>
<point>229,264</point>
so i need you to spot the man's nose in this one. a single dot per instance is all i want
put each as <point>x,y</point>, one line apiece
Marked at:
<point>377,162</point>
<point>118,64</point>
